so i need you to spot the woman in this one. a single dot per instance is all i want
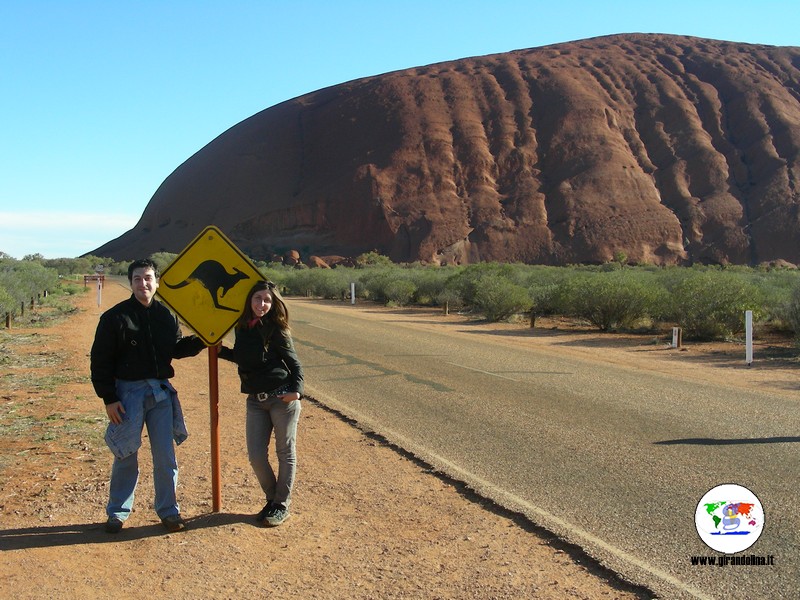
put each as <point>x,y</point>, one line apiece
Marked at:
<point>272,378</point>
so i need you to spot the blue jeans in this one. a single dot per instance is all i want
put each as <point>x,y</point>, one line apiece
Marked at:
<point>262,419</point>
<point>147,403</point>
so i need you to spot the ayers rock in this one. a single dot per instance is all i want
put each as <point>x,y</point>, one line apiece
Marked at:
<point>670,149</point>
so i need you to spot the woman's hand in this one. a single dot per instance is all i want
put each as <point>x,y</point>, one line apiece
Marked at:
<point>290,397</point>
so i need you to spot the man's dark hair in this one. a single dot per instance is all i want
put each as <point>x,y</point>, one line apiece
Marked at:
<point>142,263</point>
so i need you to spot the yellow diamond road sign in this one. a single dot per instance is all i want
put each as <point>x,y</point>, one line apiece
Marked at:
<point>207,284</point>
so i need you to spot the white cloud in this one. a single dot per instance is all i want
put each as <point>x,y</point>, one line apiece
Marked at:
<point>48,220</point>
<point>59,234</point>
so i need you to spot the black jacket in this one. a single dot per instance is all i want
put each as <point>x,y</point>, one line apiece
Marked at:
<point>135,342</point>
<point>266,359</point>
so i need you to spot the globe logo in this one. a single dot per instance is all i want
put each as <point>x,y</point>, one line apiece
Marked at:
<point>729,518</point>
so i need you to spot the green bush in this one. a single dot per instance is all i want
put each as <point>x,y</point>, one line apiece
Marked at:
<point>467,280</point>
<point>375,281</point>
<point>609,300</point>
<point>399,292</point>
<point>373,259</point>
<point>777,287</point>
<point>450,298</point>
<point>7,303</point>
<point>790,313</point>
<point>544,298</point>
<point>498,298</point>
<point>85,264</point>
<point>333,283</point>
<point>544,288</point>
<point>710,305</point>
<point>326,283</point>
<point>163,260</point>
<point>430,283</point>
<point>23,280</point>
<point>707,301</point>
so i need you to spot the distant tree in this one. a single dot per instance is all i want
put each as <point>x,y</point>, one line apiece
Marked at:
<point>163,259</point>
<point>620,258</point>
<point>372,259</point>
<point>8,304</point>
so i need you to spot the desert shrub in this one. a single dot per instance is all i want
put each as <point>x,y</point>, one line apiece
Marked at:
<point>544,288</point>
<point>498,298</point>
<point>707,301</point>
<point>375,281</point>
<point>468,280</point>
<point>163,259</point>
<point>278,274</point>
<point>23,280</point>
<point>709,304</point>
<point>330,283</point>
<point>450,298</point>
<point>70,289</point>
<point>372,259</point>
<point>543,300</point>
<point>7,303</point>
<point>299,282</point>
<point>325,283</point>
<point>430,283</point>
<point>789,313</point>
<point>399,292</point>
<point>608,300</point>
<point>777,288</point>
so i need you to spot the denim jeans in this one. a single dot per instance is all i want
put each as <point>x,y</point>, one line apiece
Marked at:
<point>262,419</point>
<point>147,403</point>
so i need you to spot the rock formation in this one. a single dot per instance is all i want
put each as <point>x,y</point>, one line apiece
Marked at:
<point>669,149</point>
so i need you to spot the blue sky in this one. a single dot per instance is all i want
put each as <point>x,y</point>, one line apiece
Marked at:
<point>102,100</point>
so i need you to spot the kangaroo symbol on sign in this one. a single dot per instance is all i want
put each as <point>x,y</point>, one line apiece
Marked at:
<point>214,277</point>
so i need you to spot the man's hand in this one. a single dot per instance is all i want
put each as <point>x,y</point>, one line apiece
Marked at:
<point>115,412</point>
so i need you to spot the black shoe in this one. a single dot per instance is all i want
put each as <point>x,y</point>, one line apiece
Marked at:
<point>173,523</point>
<point>276,515</point>
<point>264,511</point>
<point>113,525</point>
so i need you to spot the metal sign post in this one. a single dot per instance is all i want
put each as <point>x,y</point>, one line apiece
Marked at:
<point>206,286</point>
<point>213,387</point>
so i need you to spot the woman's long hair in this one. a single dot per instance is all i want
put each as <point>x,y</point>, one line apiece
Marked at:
<point>277,315</point>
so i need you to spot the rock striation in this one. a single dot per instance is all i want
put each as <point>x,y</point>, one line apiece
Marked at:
<point>667,149</point>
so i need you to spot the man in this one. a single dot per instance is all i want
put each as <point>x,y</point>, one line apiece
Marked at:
<point>131,358</point>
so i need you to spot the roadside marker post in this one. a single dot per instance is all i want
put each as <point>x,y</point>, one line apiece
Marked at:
<point>748,328</point>
<point>206,286</point>
<point>677,337</point>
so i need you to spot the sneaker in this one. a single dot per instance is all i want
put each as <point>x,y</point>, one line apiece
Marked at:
<point>276,515</point>
<point>173,523</point>
<point>263,512</point>
<point>113,525</point>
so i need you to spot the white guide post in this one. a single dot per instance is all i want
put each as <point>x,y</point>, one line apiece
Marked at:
<point>748,329</point>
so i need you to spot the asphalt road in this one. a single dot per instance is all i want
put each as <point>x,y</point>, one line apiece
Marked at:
<point>610,458</point>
